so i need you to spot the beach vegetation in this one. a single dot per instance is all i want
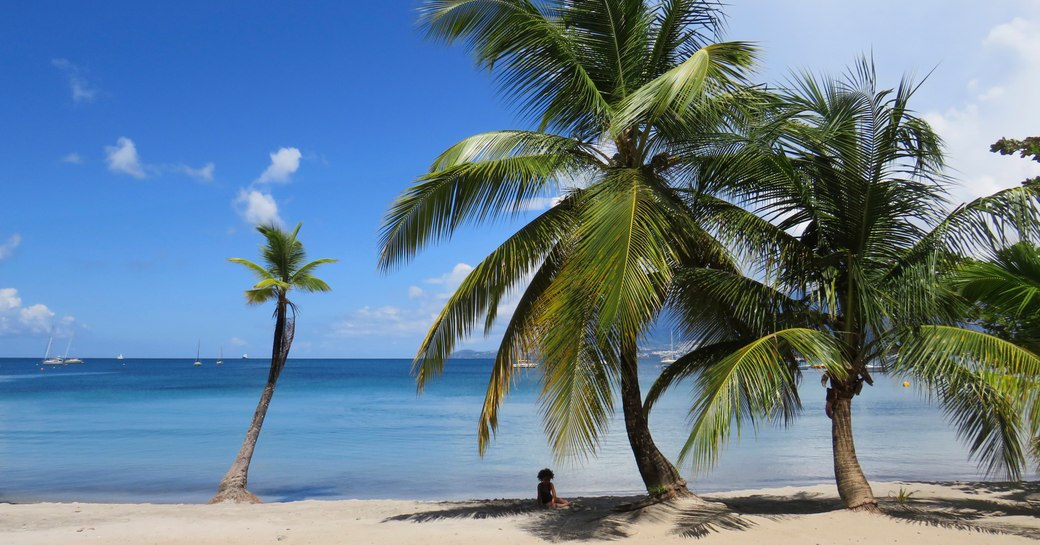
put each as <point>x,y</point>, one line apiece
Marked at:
<point>284,269</point>
<point>626,97</point>
<point>853,184</point>
<point>903,496</point>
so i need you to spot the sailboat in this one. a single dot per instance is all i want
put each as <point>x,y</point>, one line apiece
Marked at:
<point>47,359</point>
<point>66,359</point>
<point>198,362</point>
<point>220,360</point>
<point>669,358</point>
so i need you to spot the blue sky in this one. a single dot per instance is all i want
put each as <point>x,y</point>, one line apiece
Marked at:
<point>141,142</point>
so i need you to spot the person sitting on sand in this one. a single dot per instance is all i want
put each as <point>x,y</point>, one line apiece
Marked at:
<point>547,491</point>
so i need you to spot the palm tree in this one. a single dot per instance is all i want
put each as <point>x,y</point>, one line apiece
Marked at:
<point>284,269</point>
<point>853,185</point>
<point>625,95</point>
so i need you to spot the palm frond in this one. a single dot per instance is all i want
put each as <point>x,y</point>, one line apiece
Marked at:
<point>624,252</point>
<point>504,144</point>
<point>305,271</point>
<point>715,68</point>
<point>259,271</point>
<point>985,385</point>
<point>441,201</point>
<point>481,291</point>
<point>519,340</point>
<point>539,65</point>
<point>752,383</point>
<point>577,380</point>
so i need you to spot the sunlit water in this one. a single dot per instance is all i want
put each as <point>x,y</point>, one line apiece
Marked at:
<point>165,431</point>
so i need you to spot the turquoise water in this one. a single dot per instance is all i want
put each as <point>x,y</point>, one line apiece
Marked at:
<point>164,431</point>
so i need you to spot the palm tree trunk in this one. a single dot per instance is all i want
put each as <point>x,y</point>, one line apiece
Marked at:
<point>853,487</point>
<point>660,477</point>
<point>232,488</point>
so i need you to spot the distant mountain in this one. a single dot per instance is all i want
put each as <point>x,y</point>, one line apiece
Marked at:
<point>473,355</point>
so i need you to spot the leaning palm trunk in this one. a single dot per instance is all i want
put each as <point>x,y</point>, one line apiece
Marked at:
<point>853,487</point>
<point>232,488</point>
<point>660,477</point>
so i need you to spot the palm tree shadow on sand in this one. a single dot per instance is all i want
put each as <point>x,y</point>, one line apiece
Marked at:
<point>991,512</point>
<point>600,518</point>
<point>612,518</point>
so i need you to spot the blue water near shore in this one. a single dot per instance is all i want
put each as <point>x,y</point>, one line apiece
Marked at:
<point>164,431</point>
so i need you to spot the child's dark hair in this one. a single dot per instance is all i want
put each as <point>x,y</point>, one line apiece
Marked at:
<point>545,474</point>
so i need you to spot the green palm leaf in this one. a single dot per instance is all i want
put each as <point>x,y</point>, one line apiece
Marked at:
<point>716,68</point>
<point>754,381</point>
<point>479,191</point>
<point>981,382</point>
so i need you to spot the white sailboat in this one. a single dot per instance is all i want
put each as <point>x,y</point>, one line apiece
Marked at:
<point>66,359</point>
<point>198,362</point>
<point>47,359</point>
<point>669,358</point>
<point>220,360</point>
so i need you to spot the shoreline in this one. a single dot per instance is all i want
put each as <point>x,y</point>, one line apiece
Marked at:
<point>940,513</point>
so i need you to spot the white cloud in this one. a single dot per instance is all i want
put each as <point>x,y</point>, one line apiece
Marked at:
<point>409,323</point>
<point>257,208</point>
<point>1000,108</point>
<point>122,158</point>
<point>385,321</point>
<point>7,249</point>
<point>235,341</point>
<point>284,163</point>
<point>452,279</point>
<point>81,87</point>
<point>538,204</point>
<point>33,319</point>
<point>36,318</point>
<point>9,299</point>
<point>203,173</point>
<point>72,159</point>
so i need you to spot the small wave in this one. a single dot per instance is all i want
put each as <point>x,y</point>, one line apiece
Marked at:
<point>28,376</point>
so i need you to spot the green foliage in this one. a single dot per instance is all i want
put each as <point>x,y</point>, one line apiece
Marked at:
<point>903,496</point>
<point>624,95</point>
<point>860,177</point>
<point>1006,290</point>
<point>284,267</point>
<point>1028,147</point>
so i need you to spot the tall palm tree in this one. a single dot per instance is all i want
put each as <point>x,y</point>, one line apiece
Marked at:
<point>625,93</point>
<point>284,269</point>
<point>853,184</point>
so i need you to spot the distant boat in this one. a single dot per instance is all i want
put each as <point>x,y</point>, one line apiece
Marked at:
<point>245,356</point>
<point>66,359</point>
<point>119,357</point>
<point>198,362</point>
<point>524,364</point>
<point>669,357</point>
<point>47,359</point>
<point>220,360</point>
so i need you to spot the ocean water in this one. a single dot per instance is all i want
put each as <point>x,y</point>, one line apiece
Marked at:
<point>150,430</point>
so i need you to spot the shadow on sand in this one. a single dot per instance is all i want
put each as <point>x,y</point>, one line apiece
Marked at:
<point>600,518</point>
<point>993,511</point>
<point>610,517</point>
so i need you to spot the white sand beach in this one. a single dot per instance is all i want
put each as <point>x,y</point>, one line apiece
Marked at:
<point>935,513</point>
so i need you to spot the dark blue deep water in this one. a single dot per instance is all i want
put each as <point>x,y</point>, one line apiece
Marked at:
<point>164,431</point>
